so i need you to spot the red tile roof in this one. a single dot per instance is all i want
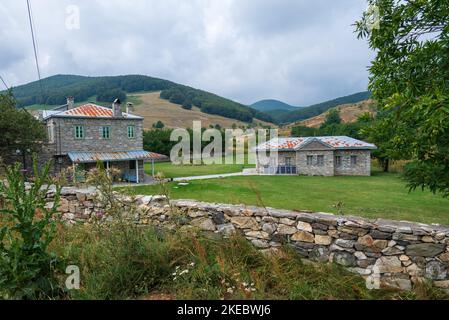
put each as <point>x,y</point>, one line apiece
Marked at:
<point>90,110</point>
<point>335,142</point>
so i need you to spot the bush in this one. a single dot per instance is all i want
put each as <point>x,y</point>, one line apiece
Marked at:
<point>158,125</point>
<point>187,104</point>
<point>27,268</point>
<point>177,98</point>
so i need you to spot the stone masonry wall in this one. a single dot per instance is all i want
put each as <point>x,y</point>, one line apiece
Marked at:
<point>390,253</point>
<point>329,167</point>
<point>64,132</point>
<point>362,168</point>
<point>315,169</point>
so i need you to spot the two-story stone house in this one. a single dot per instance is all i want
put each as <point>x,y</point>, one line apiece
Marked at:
<point>81,136</point>
<point>321,156</point>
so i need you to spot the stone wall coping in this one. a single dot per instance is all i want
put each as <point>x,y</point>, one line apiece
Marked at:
<point>384,225</point>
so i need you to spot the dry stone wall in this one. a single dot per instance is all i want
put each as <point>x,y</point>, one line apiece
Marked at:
<point>388,253</point>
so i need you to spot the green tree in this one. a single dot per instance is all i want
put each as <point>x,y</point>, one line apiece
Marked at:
<point>303,131</point>
<point>379,131</point>
<point>158,140</point>
<point>187,104</point>
<point>410,81</point>
<point>158,125</point>
<point>19,129</point>
<point>332,118</point>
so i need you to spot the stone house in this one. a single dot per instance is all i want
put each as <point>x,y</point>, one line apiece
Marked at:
<point>81,136</point>
<point>320,156</point>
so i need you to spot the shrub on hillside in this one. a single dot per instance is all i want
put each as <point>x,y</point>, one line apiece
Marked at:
<point>187,104</point>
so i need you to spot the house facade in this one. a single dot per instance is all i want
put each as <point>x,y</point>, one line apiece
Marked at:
<point>315,156</point>
<point>79,137</point>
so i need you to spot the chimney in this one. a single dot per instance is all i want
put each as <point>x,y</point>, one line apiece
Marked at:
<point>70,103</point>
<point>117,108</point>
<point>129,107</point>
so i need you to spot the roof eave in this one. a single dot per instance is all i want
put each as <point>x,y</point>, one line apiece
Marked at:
<point>356,148</point>
<point>87,117</point>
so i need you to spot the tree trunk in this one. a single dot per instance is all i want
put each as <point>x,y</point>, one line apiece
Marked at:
<point>386,164</point>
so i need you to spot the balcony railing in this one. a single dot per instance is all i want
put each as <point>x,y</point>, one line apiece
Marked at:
<point>280,170</point>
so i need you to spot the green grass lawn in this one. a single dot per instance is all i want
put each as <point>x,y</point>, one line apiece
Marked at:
<point>172,171</point>
<point>379,196</point>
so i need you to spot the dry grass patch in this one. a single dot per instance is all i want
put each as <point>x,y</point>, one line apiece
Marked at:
<point>153,108</point>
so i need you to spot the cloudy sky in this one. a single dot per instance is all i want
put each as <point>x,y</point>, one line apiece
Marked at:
<point>298,51</point>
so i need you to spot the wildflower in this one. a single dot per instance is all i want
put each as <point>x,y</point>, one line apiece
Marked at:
<point>230,290</point>
<point>192,264</point>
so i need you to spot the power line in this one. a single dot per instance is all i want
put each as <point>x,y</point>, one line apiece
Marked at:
<point>34,47</point>
<point>1,78</point>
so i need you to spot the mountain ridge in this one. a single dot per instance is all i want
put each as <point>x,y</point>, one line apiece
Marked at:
<point>56,88</point>
<point>319,108</point>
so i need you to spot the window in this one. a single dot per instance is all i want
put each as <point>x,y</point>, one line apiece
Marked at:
<point>106,132</point>
<point>288,161</point>
<point>338,161</point>
<point>309,160</point>
<point>79,132</point>
<point>320,160</point>
<point>131,133</point>
<point>353,160</point>
<point>51,133</point>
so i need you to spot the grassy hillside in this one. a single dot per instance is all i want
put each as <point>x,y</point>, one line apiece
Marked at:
<point>270,105</point>
<point>153,108</point>
<point>348,113</point>
<point>317,109</point>
<point>57,88</point>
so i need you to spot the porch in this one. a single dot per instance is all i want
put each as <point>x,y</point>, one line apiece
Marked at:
<point>129,164</point>
<point>279,170</point>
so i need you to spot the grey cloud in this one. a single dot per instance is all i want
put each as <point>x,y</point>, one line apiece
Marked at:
<point>293,50</point>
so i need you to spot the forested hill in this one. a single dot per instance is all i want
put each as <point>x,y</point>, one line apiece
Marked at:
<point>271,104</point>
<point>56,88</point>
<point>317,109</point>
